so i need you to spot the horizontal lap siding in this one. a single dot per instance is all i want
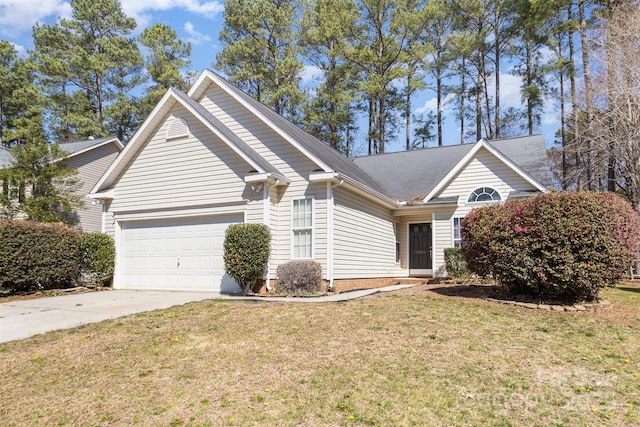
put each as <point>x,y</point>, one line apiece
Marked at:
<point>195,170</point>
<point>443,229</point>
<point>485,170</point>
<point>364,239</point>
<point>289,161</point>
<point>91,165</point>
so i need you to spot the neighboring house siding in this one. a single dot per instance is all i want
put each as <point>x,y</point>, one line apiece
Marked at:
<point>364,240</point>
<point>485,170</point>
<point>187,172</point>
<point>91,165</point>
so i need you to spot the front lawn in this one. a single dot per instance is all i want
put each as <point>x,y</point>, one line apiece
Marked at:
<point>414,357</point>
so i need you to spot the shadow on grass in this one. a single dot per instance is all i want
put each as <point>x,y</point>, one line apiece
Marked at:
<point>627,289</point>
<point>466,291</point>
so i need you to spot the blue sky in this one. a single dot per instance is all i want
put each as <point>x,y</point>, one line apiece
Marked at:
<point>199,22</point>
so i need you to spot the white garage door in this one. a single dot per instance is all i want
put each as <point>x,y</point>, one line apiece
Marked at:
<point>176,254</point>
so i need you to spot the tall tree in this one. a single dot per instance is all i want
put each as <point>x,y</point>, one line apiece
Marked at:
<point>74,59</point>
<point>378,51</point>
<point>166,62</point>
<point>330,114</point>
<point>260,52</point>
<point>21,104</point>
<point>439,22</point>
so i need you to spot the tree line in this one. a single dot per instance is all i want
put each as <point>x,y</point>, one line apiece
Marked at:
<point>85,74</point>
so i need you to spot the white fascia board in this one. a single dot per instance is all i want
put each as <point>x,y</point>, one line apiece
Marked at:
<point>132,145</point>
<point>517,169</point>
<point>108,194</point>
<point>196,90</point>
<point>461,164</point>
<point>368,192</point>
<point>453,172</point>
<point>267,177</point>
<point>323,177</point>
<point>222,136</point>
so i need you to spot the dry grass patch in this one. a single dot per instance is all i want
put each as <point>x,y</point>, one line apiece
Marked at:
<point>411,358</point>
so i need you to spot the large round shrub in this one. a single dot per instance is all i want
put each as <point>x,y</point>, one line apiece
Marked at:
<point>97,257</point>
<point>246,253</point>
<point>560,245</point>
<point>36,255</point>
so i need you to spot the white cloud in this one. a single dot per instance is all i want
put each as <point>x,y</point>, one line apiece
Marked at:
<point>139,9</point>
<point>432,104</point>
<point>310,74</point>
<point>19,16</point>
<point>195,38</point>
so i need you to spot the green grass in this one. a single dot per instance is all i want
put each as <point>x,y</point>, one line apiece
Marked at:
<point>410,358</point>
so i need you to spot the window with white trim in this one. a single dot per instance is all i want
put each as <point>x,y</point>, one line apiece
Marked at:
<point>302,224</point>
<point>457,236</point>
<point>396,230</point>
<point>484,194</point>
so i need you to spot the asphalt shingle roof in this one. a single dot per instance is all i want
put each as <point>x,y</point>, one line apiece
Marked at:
<point>317,148</point>
<point>408,174</point>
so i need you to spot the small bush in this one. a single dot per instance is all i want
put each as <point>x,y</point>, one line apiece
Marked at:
<point>38,256</point>
<point>298,277</point>
<point>97,258</point>
<point>455,264</point>
<point>246,253</point>
<point>563,246</point>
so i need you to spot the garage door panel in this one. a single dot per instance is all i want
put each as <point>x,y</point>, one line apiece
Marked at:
<point>177,254</point>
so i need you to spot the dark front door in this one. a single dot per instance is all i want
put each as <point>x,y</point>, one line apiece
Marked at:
<point>420,247</point>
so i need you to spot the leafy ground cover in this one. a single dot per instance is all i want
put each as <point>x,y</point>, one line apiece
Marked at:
<point>414,357</point>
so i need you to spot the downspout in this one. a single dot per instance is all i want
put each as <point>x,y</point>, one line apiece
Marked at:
<point>330,208</point>
<point>266,219</point>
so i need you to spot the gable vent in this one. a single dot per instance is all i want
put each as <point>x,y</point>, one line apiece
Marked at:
<point>177,128</point>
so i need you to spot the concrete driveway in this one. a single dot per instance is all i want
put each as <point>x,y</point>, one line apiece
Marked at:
<point>22,319</point>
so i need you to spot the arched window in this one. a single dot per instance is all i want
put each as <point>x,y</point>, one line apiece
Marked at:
<point>484,194</point>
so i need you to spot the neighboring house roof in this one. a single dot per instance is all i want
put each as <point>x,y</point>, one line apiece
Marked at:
<point>72,149</point>
<point>409,175</point>
<point>78,147</point>
<point>326,157</point>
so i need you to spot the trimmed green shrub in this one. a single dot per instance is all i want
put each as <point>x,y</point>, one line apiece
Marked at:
<point>246,253</point>
<point>560,245</point>
<point>299,277</point>
<point>455,264</point>
<point>37,255</point>
<point>97,258</point>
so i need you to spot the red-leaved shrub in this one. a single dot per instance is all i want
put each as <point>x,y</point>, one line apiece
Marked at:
<point>559,245</point>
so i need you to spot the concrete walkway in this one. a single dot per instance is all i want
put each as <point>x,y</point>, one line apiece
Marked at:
<point>22,319</point>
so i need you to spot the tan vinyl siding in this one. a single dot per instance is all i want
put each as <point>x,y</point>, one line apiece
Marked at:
<point>191,171</point>
<point>485,170</point>
<point>364,240</point>
<point>109,222</point>
<point>443,234</point>
<point>260,137</point>
<point>292,163</point>
<point>91,165</point>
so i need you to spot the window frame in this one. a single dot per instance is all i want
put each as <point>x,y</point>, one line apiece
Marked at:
<point>396,232</point>
<point>457,241</point>
<point>483,190</point>
<point>310,228</point>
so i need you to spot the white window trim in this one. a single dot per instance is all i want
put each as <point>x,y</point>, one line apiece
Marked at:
<point>486,201</point>
<point>453,231</point>
<point>398,248</point>
<point>313,222</point>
